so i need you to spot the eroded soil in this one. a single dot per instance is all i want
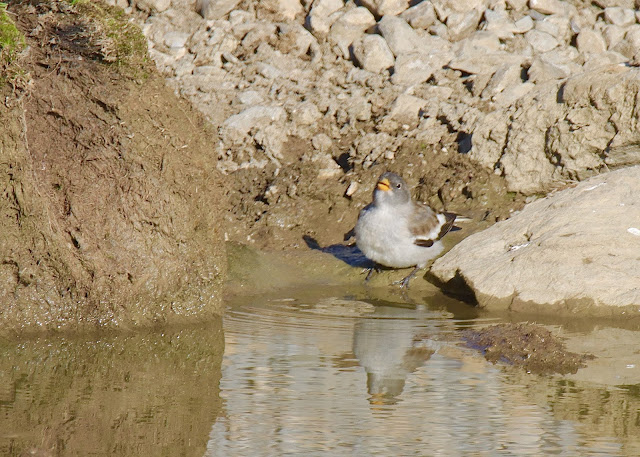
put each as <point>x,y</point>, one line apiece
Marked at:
<point>275,210</point>
<point>109,203</point>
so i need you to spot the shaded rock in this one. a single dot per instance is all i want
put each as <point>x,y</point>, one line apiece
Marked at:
<point>542,70</point>
<point>612,35</point>
<point>546,257</point>
<point>372,53</point>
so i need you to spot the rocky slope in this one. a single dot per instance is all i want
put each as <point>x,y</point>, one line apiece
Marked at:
<point>469,100</point>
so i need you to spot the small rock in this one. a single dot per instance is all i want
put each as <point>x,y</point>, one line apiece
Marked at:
<point>499,23</point>
<point>444,8</point>
<point>297,40</point>
<point>591,41</point>
<point>306,113</point>
<point>250,97</point>
<point>400,37</point>
<point>622,17</point>
<point>542,70</point>
<point>175,40</point>
<point>321,142</point>
<point>420,16</point>
<point>523,25</point>
<point>612,35</point>
<point>153,6</point>
<point>350,27</point>
<point>413,68</point>
<point>320,17</point>
<point>386,7</point>
<point>541,41</point>
<point>511,94</point>
<point>486,40</point>
<point>286,9</point>
<point>406,110</point>
<point>352,189</point>
<point>517,5</point>
<point>372,53</point>
<point>462,25</point>
<point>506,76</point>
<point>215,9</point>
<point>547,6</point>
<point>242,123</point>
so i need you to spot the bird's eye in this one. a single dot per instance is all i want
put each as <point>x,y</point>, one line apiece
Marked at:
<point>398,185</point>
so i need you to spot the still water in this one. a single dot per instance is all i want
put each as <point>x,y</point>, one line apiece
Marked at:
<point>301,374</point>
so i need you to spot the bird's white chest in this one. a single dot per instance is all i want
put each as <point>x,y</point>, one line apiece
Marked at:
<point>383,235</point>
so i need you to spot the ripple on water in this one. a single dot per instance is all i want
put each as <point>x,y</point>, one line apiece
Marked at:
<point>337,376</point>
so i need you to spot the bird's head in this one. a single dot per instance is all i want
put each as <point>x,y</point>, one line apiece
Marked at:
<point>391,189</point>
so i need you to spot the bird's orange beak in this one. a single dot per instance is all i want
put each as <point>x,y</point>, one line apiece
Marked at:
<point>384,184</point>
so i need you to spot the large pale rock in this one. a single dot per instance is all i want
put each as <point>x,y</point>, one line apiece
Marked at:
<point>552,135</point>
<point>578,250</point>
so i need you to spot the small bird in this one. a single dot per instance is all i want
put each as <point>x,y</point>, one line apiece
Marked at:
<point>394,231</point>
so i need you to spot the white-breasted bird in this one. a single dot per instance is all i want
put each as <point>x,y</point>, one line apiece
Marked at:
<point>397,232</point>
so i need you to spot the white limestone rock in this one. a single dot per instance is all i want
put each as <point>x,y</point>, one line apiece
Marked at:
<point>546,257</point>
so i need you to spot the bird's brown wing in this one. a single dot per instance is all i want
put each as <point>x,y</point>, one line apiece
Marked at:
<point>425,226</point>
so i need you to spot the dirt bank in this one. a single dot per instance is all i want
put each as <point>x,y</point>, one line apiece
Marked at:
<point>110,200</point>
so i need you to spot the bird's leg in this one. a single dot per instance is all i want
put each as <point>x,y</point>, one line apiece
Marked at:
<point>404,282</point>
<point>370,271</point>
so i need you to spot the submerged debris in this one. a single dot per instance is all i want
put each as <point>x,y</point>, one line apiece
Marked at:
<point>530,346</point>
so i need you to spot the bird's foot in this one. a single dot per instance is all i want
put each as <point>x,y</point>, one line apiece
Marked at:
<point>370,271</point>
<point>404,282</point>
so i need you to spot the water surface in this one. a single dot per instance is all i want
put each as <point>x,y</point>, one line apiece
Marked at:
<point>320,372</point>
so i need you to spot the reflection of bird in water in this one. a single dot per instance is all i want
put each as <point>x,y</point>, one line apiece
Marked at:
<point>386,350</point>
